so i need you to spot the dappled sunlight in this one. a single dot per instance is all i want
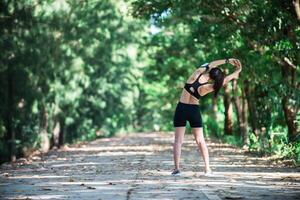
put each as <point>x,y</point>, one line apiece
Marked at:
<point>37,177</point>
<point>113,168</point>
<point>92,90</point>
<point>33,197</point>
<point>113,148</point>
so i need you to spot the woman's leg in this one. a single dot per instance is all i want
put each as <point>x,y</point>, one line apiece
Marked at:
<point>179,135</point>
<point>198,134</point>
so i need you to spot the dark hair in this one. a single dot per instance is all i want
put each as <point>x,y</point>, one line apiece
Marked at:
<point>218,76</point>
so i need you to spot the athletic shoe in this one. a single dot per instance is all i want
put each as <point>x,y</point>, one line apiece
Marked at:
<point>176,172</point>
<point>208,172</point>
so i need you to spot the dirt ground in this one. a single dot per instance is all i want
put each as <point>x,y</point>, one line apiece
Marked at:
<point>138,166</point>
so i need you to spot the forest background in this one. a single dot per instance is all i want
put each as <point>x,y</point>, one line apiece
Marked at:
<point>72,71</point>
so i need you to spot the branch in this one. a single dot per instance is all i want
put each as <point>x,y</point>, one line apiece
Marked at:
<point>297,8</point>
<point>284,61</point>
<point>289,62</point>
<point>211,19</point>
<point>261,50</point>
<point>255,46</point>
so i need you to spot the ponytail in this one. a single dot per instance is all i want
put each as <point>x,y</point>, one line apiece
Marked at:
<point>218,76</point>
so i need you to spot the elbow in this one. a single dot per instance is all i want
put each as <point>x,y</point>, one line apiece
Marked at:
<point>225,81</point>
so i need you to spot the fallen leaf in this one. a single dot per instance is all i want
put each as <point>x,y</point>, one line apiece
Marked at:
<point>19,191</point>
<point>233,197</point>
<point>46,189</point>
<point>71,180</point>
<point>6,174</point>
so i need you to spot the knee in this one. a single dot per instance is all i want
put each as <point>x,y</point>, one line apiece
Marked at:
<point>200,142</point>
<point>178,142</point>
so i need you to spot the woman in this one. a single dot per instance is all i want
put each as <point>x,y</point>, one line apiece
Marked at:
<point>188,110</point>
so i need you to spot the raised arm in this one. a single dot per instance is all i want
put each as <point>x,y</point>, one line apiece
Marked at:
<point>218,62</point>
<point>209,87</point>
<point>235,74</point>
<point>213,64</point>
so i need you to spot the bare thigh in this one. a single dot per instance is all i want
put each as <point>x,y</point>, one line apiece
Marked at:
<point>198,135</point>
<point>179,134</point>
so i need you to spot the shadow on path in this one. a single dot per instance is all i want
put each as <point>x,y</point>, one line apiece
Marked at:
<point>138,166</point>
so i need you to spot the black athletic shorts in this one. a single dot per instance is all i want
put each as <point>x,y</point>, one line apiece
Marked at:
<point>187,112</point>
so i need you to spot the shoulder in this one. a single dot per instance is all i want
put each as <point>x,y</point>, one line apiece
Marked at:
<point>205,89</point>
<point>205,66</point>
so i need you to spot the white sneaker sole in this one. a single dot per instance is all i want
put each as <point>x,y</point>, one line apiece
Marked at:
<point>176,174</point>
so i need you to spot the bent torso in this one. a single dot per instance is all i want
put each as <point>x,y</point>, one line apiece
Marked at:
<point>186,97</point>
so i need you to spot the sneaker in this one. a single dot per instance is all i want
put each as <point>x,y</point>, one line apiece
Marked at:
<point>176,172</point>
<point>208,172</point>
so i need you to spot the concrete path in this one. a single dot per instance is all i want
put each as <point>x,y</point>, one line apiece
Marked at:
<point>138,167</point>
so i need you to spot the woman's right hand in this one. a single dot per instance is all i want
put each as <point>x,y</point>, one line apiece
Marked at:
<point>233,61</point>
<point>236,62</point>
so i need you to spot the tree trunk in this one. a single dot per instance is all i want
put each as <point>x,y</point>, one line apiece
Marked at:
<point>228,124</point>
<point>10,134</point>
<point>214,108</point>
<point>9,63</point>
<point>290,118</point>
<point>251,109</point>
<point>242,111</point>
<point>56,133</point>
<point>214,116</point>
<point>45,142</point>
<point>289,109</point>
<point>244,125</point>
<point>238,107</point>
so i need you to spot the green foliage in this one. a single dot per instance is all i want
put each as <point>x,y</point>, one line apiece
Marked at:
<point>297,152</point>
<point>212,127</point>
<point>253,142</point>
<point>262,34</point>
<point>93,69</point>
<point>69,62</point>
<point>278,145</point>
<point>234,140</point>
<point>281,147</point>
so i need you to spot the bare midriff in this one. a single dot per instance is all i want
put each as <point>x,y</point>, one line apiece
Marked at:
<point>188,98</point>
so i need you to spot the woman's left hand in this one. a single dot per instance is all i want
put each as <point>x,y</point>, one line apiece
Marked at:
<point>235,62</point>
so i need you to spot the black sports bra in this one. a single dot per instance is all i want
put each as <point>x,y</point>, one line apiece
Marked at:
<point>192,88</point>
